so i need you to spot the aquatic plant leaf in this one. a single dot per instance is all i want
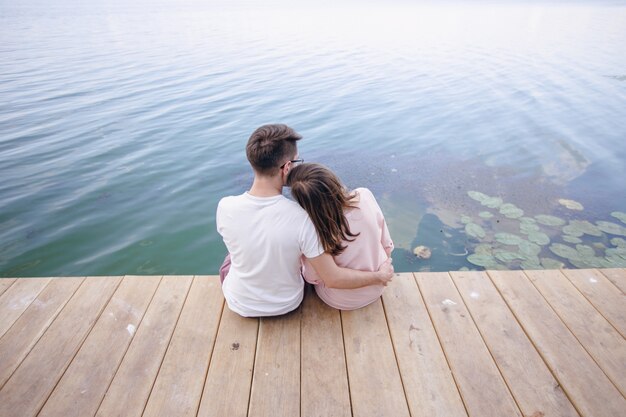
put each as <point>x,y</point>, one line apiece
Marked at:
<point>506,257</point>
<point>619,215</point>
<point>485,214</point>
<point>527,220</point>
<point>529,249</point>
<point>564,251</point>
<point>611,228</point>
<point>549,263</point>
<point>615,262</point>
<point>548,220</point>
<point>492,202</point>
<point>571,239</point>
<point>474,230</point>
<point>482,259</point>
<point>464,268</point>
<point>539,238</point>
<point>483,248</point>
<point>585,251</point>
<point>572,231</point>
<point>571,204</point>
<point>511,211</point>
<point>527,228</point>
<point>508,238</point>
<point>531,264</point>
<point>586,227</point>
<point>478,196</point>
<point>619,242</point>
<point>466,219</point>
<point>616,253</point>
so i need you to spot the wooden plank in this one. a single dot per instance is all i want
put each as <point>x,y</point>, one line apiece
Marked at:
<point>227,387</point>
<point>20,339</point>
<point>481,385</point>
<point>534,388</point>
<point>178,387</point>
<point>601,292</point>
<point>17,298</point>
<point>276,381</point>
<point>597,336</point>
<point>617,276</point>
<point>5,283</point>
<point>131,386</point>
<point>324,389</point>
<point>30,385</point>
<point>427,378</point>
<point>583,381</point>
<point>82,387</point>
<point>375,383</point>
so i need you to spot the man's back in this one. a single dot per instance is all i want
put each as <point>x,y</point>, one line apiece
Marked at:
<point>265,236</point>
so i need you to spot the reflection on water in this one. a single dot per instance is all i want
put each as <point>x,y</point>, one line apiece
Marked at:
<point>122,126</point>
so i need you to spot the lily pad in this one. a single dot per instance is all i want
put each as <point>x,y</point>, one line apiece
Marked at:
<point>571,239</point>
<point>527,220</point>
<point>586,227</point>
<point>511,211</point>
<point>466,219</point>
<point>548,220</point>
<point>508,238</point>
<point>619,215</point>
<point>531,264</point>
<point>611,228</point>
<point>564,251</point>
<point>572,230</point>
<point>492,202</point>
<point>619,242</point>
<point>478,196</point>
<point>539,238</point>
<point>571,204</point>
<point>483,248</point>
<point>483,260</point>
<point>585,251</point>
<point>506,257</point>
<point>474,230</point>
<point>485,214</point>
<point>549,263</point>
<point>527,228</point>
<point>529,249</point>
<point>464,268</point>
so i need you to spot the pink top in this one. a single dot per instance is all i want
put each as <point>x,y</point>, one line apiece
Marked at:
<point>365,253</point>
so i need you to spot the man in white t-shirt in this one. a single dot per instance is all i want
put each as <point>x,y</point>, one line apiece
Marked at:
<point>266,235</point>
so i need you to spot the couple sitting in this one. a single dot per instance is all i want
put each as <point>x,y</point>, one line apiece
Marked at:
<point>335,239</point>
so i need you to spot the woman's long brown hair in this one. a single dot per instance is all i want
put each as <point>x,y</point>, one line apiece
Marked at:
<point>318,190</point>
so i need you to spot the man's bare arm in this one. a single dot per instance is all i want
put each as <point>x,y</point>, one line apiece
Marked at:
<point>344,278</point>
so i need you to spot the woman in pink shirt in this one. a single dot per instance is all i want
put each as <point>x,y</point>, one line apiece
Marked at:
<point>350,226</point>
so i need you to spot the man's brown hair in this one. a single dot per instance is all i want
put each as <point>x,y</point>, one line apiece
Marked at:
<point>269,146</point>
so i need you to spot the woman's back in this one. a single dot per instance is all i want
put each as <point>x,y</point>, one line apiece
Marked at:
<point>366,252</point>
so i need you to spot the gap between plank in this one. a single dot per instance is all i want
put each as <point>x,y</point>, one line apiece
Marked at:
<point>169,343</point>
<point>482,337</point>
<point>42,333</point>
<point>395,356</point>
<point>443,350</point>
<point>533,342</point>
<point>129,344</point>
<point>82,341</point>
<point>570,330</point>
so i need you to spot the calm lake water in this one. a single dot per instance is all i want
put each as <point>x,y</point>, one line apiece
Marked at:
<point>121,127</point>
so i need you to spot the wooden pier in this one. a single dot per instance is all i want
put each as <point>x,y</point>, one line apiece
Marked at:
<point>479,344</point>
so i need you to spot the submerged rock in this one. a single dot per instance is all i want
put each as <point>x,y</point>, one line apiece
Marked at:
<point>422,252</point>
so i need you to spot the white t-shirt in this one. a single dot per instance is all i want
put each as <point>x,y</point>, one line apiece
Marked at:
<point>266,237</point>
